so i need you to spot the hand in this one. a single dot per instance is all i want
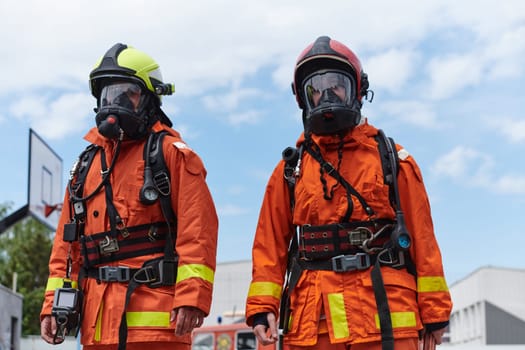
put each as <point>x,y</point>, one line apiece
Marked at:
<point>261,331</point>
<point>438,335</point>
<point>186,318</point>
<point>48,329</point>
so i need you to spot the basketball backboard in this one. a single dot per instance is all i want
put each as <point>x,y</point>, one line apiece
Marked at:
<point>45,182</point>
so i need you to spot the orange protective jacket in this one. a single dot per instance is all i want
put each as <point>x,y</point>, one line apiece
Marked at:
<point>347,299</point>
<point>148,313</point>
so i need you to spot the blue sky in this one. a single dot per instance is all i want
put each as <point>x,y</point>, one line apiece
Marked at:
<point>447,77</point>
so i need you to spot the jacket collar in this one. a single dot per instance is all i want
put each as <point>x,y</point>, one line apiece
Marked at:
<point>359,134</point>
<point>93,136</point>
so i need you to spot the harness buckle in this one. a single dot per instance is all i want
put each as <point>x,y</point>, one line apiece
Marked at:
<point>343,263</point>
<point>394,259</point>
<point>114,274</point>
<point>108,246</point>
<point>359,235</point>
<point>146,274</point>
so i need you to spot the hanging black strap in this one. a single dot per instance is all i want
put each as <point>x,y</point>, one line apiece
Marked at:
<point>114,217</point>
<point>383,310</point>
<point>330,170</point>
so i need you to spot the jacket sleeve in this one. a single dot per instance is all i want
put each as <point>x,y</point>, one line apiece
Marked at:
<point>434,299</point>
<point>270,248</point>
<point>58,262</point>
<point>197,226</point>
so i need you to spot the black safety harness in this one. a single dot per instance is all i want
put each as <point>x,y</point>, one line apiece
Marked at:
<point>122,242</point>
<point>349,245</point>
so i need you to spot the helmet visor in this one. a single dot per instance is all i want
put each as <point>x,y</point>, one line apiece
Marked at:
<point>124,95</point>
<point>335,84</point>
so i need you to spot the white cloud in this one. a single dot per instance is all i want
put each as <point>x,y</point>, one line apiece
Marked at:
<point>247,117</point>
<point>505,55</point>
<point>391,69</point>
<point>457,163</point>
<point>231,100</point>
<point>476,169</point>
<point>413,112</point>
<point>202,51</point>
<point>513,129</point>
<point>449,75</point>
<point>54,118</point>
<point>231,210</point>
<point>509,184</point>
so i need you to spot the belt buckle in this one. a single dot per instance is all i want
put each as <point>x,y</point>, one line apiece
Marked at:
<point>108,246</point>
<point>359,235</point>
<point>114,273</point>
<point>343,263</point>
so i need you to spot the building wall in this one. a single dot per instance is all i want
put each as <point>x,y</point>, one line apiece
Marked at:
<point>232,281</point>
<point>489,307</point>
<point>502,327</point>
<point>10,319</point>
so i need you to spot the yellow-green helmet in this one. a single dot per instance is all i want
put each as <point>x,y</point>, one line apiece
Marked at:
<point>125,63</point>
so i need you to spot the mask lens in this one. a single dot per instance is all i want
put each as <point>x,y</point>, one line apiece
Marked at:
<point>126,95</point>
<point>338,83</point>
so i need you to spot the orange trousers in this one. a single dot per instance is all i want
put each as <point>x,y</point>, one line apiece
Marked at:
<point>142,346</point>
<point>323,342</point>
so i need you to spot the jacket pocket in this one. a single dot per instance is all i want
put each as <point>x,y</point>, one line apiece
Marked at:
<point>400,288</point>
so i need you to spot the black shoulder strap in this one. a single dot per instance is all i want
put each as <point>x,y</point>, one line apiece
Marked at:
<point>389,163</point>
<point>161,179</point>
<point>77,180</point>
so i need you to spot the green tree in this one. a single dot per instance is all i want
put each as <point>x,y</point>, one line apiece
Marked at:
<point>25,248</point>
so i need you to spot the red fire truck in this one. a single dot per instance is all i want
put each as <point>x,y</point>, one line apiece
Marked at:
<point>235,336</point>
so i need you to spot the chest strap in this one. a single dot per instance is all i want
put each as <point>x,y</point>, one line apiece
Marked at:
<point>327,241</point>
<point>102,248</point>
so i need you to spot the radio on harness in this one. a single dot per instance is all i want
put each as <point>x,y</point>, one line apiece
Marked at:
<point>66,311</point>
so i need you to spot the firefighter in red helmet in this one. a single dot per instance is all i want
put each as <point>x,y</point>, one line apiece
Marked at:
<point>344,253</point>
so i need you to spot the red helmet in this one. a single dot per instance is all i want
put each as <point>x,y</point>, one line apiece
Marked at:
<point>329,85</point>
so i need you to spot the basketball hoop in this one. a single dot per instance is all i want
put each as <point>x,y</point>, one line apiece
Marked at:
<point>48,209</point>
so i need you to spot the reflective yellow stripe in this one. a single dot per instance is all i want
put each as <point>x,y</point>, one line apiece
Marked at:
<point>400,319</point>
<point>195,270</point>
<point>98,325</point>
<point>148,319</point>
<point>431,284</point>
<point>265,289</point>
<point>336,304</point>
<point>58,282</point>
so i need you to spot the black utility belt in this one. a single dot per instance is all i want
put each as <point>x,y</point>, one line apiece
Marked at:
<point>355,262</point>
<point>327,241</point>
<point>154,273</point>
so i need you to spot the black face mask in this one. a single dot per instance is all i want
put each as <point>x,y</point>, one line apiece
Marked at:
<point>330,103</point>
<point>120,116</point>
<point>331,116</point>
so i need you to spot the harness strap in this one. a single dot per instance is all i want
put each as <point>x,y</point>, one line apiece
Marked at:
<point>151,274</point>
<point>383,310</point>
<point>143,240</point>
<point>330,170</point>
<point>327,241</point>
<point>114,217</point>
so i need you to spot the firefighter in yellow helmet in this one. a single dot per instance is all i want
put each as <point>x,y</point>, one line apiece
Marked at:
<point>133,261</point>
<point>344,254</point>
